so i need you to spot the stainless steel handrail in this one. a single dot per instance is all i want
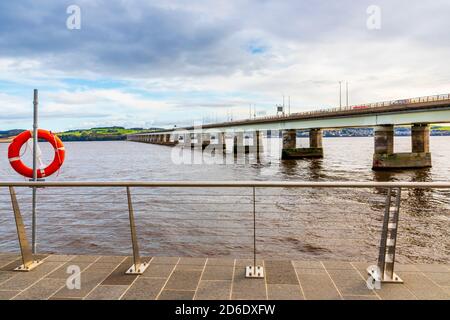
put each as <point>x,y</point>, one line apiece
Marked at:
<point>230,184</point>
<point>386,258</point>
<point>366,106</point>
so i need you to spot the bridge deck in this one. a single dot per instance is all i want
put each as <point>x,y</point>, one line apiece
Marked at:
<point>103,277</point>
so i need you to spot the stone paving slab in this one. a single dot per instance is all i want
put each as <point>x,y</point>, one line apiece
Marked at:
<point>186,280</point>
<point>280,272</point>
<point>118,276</point>
<point>176,295</point>
<point>284,292</point>
<point>318,287</point>
<point>213,290</point>
<point>170,278</point>
<point>212,272</point>
<point>145,289</point>
<point>105,292</point>
<point>349,282</point>
<point>160,268</point>
<point>41,290</point>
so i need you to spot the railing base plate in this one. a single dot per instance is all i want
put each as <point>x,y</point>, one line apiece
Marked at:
<point>395,279</point>
<point>34,264</point>
<point>254,272</point>
<point>375,273</point>
<point>137,270</point>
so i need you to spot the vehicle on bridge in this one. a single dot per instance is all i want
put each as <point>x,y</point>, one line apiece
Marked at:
<point>360,107</point>
<point>403,101</point>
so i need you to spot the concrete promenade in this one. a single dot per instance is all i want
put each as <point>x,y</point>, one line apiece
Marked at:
<point>167,278</point>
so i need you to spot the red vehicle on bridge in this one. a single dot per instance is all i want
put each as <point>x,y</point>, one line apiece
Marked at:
<point>360,107</point>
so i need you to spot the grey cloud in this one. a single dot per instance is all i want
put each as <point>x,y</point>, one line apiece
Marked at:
<point>47,115</point>
<point>145,39</point>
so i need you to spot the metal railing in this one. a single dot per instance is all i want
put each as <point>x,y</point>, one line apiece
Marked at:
<point>362,107</point>
<point>318,112</point>
<point>218,204</point>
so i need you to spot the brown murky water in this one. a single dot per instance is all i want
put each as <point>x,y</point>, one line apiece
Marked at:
<point>291,223</point>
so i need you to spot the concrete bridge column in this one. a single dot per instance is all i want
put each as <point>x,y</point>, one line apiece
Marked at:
<point>176,140</point>
<point>290,151</point>
<point>238,143</point>
<point>385,158</point>
<point>187,140</point>
<point>191,139</point>
<point>219,142</point>
<point>315,138</point>
<point>420,135</point>
<point>180,138</point>
<point>289,137</point>
<point>384,139</point>
<point>198,140</point>
<point>257,140</point>
<point>206,140</point>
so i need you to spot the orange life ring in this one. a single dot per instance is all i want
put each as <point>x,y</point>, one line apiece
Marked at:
<point>21,139</point>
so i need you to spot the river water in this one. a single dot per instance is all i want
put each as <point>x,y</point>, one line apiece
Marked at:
<point>342,224</point>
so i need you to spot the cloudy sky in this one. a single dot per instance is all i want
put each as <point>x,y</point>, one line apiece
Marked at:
<point>160,63</point>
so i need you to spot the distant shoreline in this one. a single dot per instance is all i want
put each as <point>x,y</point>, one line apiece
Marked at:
<point>121,133</point>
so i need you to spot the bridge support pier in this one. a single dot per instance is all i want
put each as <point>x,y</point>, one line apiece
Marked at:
<point>239,145</point>
<point>187,140</point>
<point>290,151</point>
<point>257,141</point>
<point>192,137</point>
<point>180,138</point>
<point>167,141</point>
<point>206,140</point>
<point>219,145</point>
<point>385,158</point>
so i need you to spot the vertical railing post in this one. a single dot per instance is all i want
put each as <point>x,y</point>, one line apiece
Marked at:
<point>388,241</point>
<point>391,242</point>
<point>254,271</point>
<point>28,263</point>
<point>138,266</point>
<point>384,232</point>
<point>254,227</point>
<point>35,177</point>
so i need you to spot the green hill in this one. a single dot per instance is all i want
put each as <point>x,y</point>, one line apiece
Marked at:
<point>101,134</point>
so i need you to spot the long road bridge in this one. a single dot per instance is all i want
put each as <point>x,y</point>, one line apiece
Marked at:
<point>382,116</point>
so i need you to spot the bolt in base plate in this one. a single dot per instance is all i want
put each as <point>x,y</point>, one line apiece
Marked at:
<point>31,266</point>
<point>139,269</point>
<point>254,272</point>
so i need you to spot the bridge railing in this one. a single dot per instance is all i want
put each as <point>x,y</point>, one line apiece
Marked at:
<point>218,218</point>
<point>409,101</point>
<point>359,107</point>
